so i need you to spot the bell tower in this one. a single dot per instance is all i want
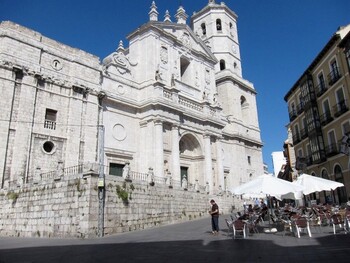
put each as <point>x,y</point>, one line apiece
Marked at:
<point>216,25</point>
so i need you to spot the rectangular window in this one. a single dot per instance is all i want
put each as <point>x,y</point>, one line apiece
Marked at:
<point>249,160</point>
<point>321,81</point>
<point>321,86</point>
<point>116,169</point>
<point>346,128</point>
<point>340,95</point>
<point>300,153</point>
<point>348,57</point>
<point>331,137</point>
<point>50,119</point>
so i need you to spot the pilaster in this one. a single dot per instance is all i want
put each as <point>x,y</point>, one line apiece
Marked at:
<point>175,152</point>
<point>208,162</point>
<point>158,148</point>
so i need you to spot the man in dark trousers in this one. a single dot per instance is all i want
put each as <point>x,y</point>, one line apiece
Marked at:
<point>214,217</point>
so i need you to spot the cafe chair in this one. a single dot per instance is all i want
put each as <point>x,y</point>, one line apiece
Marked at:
<point>337,220</point>
<point>301,224</point>
<point>239,226</point>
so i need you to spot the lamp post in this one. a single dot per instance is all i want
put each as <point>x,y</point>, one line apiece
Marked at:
<point>101,182</point>
<point>101,175</point>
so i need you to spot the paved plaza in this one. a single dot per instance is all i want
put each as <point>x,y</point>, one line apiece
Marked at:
<point>184,242</point>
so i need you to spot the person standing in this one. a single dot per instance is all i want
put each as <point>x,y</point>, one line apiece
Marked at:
<point>214,212</point>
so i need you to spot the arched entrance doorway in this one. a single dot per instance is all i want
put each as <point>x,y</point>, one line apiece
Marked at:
<point>191,158</point>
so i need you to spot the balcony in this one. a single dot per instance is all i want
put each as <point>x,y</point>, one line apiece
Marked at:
<point>320,89</point>
<point>304,133</point>
<point>340,108</point>
<point>292,115</point>
<point>319,157</point>
<point>296,139</point>
<point>300,107</point>
<point>334,76</point>
<point>326,118</point>
<point>308,160</point>
<point>48,124</point>
<point>332,149</point>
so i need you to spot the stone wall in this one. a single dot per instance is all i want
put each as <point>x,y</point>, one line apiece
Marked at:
<point>69,207</point>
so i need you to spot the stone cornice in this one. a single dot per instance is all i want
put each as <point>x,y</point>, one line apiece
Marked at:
<point>240,137</point>
<point>210,7</point>
<point>71,84</point>
<point>242,83</point>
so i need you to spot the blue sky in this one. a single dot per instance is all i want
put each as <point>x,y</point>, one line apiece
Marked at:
<point>278,39</point>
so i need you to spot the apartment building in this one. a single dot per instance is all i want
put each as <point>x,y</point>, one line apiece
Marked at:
<point>318,106</point>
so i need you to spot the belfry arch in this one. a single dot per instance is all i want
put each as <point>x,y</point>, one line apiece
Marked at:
<point>191,159</point>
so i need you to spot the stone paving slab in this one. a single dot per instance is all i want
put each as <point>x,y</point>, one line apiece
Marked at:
<point>184,242</point>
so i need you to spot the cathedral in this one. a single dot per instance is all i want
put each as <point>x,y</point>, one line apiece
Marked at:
<point>173,101</point>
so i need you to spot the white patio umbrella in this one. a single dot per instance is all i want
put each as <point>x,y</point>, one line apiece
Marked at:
<point>313,184</point>
<point>268,185</point>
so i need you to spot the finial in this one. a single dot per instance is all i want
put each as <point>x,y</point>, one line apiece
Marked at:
<point>167,16</point>
<point>120,46</point>
<point>181,15</point>
<point>153,14</point>
<point>211,2</point>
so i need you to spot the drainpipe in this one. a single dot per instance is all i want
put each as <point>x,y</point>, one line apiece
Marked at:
<point>25,179</point>
<point>9,126</point>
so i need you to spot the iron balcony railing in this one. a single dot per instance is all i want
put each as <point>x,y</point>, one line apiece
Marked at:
<point>326,118</point>
<point>304,133</point>
<point>340,108</point>
<point>334,76</point>
<point>300,107</point>
<point>292,115</point>
<point>332,149</point>
<point>296,138</point>
<point>320,89</point>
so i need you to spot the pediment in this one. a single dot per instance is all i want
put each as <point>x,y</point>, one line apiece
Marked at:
<point>180,34</point>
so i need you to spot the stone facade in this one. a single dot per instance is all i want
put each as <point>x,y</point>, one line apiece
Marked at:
<point>173,102</point>
<point>68,207</point>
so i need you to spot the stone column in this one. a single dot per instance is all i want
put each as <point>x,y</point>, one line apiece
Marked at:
<point>159,152</point>
<point>208,164</point>
<point>219,163</point>
<point>175,152</point>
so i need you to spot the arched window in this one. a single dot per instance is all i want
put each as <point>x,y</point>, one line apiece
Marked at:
<point>324,174</point>
<point>185,70</point>
<point>204,30</point>
<point>222,64</point>
<point>218,25</point>
<point>243,101</point>
<point>244,109</point>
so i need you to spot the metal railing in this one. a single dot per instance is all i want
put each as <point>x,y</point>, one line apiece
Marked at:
<point>50,125</point>
<point>77,171</point>
<point>334,76</point>
<point>340,108</point>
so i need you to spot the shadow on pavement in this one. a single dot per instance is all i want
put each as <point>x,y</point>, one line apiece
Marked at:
<point>328,248</point>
